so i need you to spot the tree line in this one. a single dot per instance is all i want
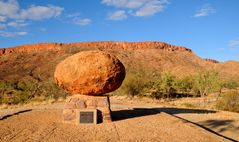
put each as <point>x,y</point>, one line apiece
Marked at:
<point>166,85</point>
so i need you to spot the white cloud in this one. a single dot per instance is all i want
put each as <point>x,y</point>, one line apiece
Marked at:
<point>16,24</point>
<point>205,10</point>
<point>118,15</point>
<point>124,3</point>
<point>151,8</point>
<point>75,18</point>
<point>135,3</point>
<point>139,8</point>
<point>12,34</point>
<point>40,12</point>
<point>11,9</point>
<point>234,42</point>
<point>12,15</point>
<point>2,18</point>
<point>21,33</point>
<point>12,24</point>
<point>81,22</point>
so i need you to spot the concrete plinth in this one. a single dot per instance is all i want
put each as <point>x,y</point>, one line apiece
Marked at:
<point>76,103</point>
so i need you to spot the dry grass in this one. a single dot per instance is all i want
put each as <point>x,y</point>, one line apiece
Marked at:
<point>229,101</point>
<point>32,103</point>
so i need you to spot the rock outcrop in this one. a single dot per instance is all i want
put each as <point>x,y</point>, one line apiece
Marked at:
<point>211,60</point>
<point>28,48</point>
<point>90,73</point>
<point>131,45</point>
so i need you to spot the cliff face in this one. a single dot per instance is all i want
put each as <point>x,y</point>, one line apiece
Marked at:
<point>31,48</point>
<point>211,60</point>
<point>100,45</point>
<point>132,45</point>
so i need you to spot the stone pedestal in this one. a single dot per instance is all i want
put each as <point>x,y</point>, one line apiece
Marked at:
<point>76,103</point>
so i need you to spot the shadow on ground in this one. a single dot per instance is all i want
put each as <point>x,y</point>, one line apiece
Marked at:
<point>15,113</point>
<point>221,125</point>
<point>138,112</point>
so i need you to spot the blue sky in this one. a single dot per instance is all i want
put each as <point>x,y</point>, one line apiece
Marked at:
<point>208,27</point>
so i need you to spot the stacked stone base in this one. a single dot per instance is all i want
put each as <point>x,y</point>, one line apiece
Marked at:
<point>76,103</point>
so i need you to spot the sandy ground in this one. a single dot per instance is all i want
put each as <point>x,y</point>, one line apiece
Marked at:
<point>132,122</point>
<point>224,123</point>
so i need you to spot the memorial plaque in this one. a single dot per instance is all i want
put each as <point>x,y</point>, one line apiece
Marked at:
<point>87,116</point>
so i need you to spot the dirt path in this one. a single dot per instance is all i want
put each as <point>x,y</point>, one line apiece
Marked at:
<point>132,122</point>
<point>45,125</point>
<point>224,123</point>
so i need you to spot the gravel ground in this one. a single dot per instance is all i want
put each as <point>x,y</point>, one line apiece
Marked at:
<point>46,125</point>
<point>132,122</point>
<point>223,123</point>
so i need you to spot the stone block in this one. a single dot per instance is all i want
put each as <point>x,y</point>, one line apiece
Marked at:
<point>91,103</point>
<point>80,104</point>
<point>69,115</point>
<point>77,103</point>
<point>70,105</point>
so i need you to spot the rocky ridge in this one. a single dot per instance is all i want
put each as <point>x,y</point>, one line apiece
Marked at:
<point>211,60</point>
<point>100,45</point>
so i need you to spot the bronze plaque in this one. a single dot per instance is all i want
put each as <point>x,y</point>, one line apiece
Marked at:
<point>87,117</point>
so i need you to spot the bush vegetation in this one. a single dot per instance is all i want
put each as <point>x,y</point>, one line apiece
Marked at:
<point>166,85</point>
<point>19,92</point>
<point>206,82</point>
<point>134,84</point>
<point>229,101</point>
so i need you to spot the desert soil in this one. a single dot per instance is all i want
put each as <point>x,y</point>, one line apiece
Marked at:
<point>132,122</point>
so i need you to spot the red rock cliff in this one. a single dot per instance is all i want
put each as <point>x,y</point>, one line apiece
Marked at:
<point>101,45</point>
<point>211,60</point>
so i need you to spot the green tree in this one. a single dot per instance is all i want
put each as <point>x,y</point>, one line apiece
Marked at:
<point>206,82</point>
<point>133,85</point>
<point>167,84</point>
<point>184,85</point>
<point>230,84</point>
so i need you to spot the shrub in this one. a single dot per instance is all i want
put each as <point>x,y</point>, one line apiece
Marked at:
<point>16,92</point>
<point>133,85</point>
<point>14,97</point>
<point>206,82</point>
<point>153,89</point>
<point>50,90</point>
<point>184,85</point>
<point>76,49</point>
<point>167,84</point>
<point>230,84</point>
<point>229,101</point>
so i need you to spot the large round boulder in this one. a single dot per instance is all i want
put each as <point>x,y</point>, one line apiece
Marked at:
<point>90,73</point>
